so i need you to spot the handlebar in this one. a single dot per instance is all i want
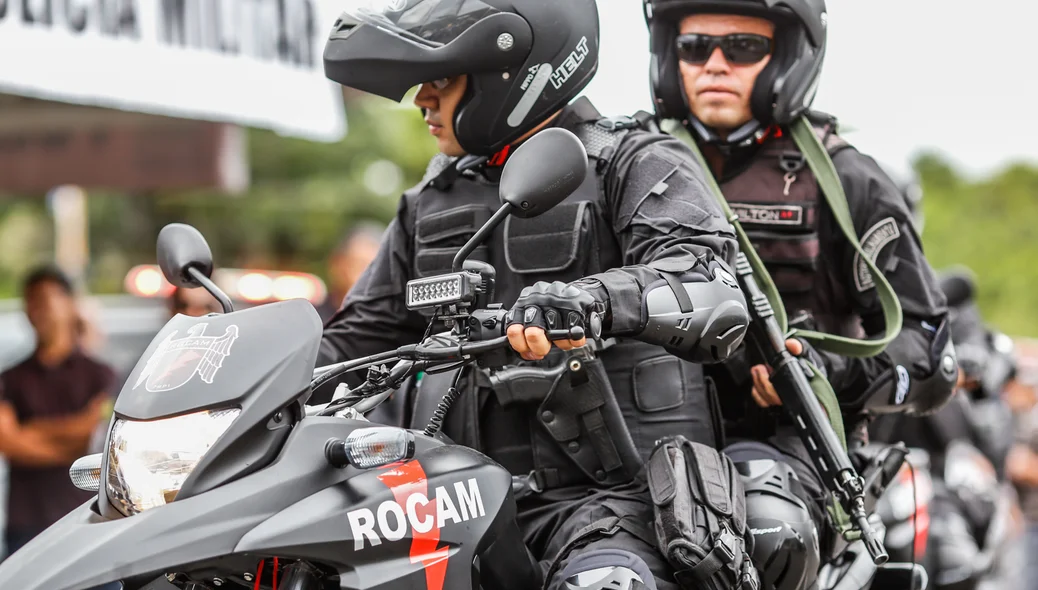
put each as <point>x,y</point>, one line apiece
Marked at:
<point>422,352</point>
<point>433,353</point>
<point>414,358</point>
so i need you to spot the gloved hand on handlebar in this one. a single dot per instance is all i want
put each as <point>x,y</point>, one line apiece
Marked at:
<point>549,306</point>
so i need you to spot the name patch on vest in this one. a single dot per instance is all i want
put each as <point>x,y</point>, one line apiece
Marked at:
<point>872,243</point>
<point>768,214</point>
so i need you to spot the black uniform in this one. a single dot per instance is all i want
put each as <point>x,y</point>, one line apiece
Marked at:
<point>642,211</point>
<point>824,285</point>
<point>976,415</point>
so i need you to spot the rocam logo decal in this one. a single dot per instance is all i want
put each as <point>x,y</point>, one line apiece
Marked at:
<point>175,362</point>
<point>424,514</point>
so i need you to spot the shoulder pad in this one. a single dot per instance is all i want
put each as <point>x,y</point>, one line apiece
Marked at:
<point>601,135</point>
<point>827,127</point>
<point>828,134</point>
<point>618,123</point>
<point>820,119</point>
<point>647,121</point>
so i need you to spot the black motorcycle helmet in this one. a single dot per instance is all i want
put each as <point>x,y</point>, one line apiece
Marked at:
<point>784,89</point>
<point>986,356</point>
<point>525,59</point>
<point>786,544</point>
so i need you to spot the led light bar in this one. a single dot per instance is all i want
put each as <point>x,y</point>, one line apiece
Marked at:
<point>440,290</point>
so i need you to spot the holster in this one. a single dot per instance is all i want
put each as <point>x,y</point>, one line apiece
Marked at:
<point>700,516</point>
<point>580,415</point>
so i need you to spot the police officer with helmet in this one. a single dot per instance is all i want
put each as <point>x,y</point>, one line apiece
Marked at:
<point>734,76</point>
<point>641,242</point>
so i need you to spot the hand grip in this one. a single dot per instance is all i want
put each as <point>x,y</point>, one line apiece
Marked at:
<point>574,333</point>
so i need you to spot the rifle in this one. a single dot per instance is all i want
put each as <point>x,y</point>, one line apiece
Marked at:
<point>790,376</point>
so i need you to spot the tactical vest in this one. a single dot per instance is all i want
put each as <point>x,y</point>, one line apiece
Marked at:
<point>778,203</point>
<point>549,428</point>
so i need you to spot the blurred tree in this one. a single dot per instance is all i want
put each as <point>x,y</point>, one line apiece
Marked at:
<point>303,198</point>
<point>26,239</point>
<point>988,226</point>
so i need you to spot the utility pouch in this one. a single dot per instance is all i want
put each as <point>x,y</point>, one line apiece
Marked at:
<point>700,516</point>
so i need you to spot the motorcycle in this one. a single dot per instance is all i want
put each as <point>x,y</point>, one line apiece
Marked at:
<point>851,565</point>
<point>905,511</point>
<point>976,542</point>
<point>957,524</point>
<point>216,474</point>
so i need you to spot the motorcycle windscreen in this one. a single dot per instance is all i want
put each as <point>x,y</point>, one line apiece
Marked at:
<point>223,360</point>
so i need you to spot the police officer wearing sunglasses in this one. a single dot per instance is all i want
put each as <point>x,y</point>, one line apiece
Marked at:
<point>733,75</point>
<point>640,232</point>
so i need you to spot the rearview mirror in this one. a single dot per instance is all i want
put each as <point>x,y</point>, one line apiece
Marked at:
<point>179,248</point>
<point>186,261</point>
<point>545,170</point>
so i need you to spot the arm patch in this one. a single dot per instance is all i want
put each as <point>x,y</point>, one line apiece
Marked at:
<point>872,243</point>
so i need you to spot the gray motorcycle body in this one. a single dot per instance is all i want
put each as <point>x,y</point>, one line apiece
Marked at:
<point>265,488</point>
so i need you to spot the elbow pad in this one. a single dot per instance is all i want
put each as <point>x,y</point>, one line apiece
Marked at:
<point>913,385</point>
<point>698,318</point>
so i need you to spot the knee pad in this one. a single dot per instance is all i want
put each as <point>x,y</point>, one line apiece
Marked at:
<point>785,538</point>
<point>607,569</point>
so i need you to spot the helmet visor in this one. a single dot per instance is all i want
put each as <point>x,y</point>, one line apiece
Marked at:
<point>432,23</point>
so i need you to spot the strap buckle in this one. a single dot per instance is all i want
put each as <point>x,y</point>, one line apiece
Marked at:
<point>525,485</point>
<point>616,123</point>
<point>536,486</point>
<point>725,545</point>
<point>749,580</point>
<point>792,161</point>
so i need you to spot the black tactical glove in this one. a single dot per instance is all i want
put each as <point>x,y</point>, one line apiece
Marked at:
<point>811,354</point>
<point>557,306</point>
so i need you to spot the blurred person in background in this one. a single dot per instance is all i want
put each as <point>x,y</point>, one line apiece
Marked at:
<point>977,414</point>
<point>347,262</point>
<point>1022,463</point>
<point>49,406</point>
<point>971,434</point>
<point>192,302</point>
<point>354,253</point>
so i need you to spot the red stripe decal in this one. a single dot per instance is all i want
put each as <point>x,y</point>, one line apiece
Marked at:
<point>405,480</point>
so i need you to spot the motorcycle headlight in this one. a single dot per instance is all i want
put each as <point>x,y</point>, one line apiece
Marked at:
<point>148,462</point>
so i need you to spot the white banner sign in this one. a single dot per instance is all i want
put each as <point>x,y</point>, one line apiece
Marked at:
<point>251,62</point>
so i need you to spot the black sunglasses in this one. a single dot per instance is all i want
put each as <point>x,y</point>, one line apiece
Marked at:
<point>739,48</point>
